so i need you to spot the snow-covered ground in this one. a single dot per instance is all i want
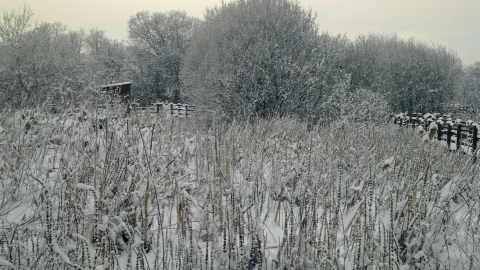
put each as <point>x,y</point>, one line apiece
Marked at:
<point>101,190</point>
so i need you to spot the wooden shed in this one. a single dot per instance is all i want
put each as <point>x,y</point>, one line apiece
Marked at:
<point>120,89</point>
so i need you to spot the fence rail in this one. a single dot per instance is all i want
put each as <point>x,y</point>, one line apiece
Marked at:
<point>181,110</point>
<point>457,134</point>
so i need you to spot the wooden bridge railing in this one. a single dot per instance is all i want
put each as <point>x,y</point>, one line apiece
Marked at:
<point>462,133</point>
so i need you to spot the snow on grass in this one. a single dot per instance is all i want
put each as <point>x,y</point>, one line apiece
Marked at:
<point>84,187</point>
<point>19,213</point>
<point>171,193</point>
<point>4,262</point>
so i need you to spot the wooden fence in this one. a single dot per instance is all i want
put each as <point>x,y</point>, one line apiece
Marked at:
<point>180,110</point>
<point>456,134</point>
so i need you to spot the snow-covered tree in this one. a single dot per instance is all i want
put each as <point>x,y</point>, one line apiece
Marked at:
<point>40,62</point>
<point>159,44</point>
<point>468,91</point>
<point>412,76</point>
<point>255,57</point>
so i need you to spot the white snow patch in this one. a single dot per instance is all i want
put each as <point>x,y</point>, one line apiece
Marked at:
<point>67,124</point>
<point>446,191</point>
<point>6,263</point>
<point>19,213</point>
<point>62,255</point>
<point>389,161</point>
<point>79,237</point>
<point>84,187</point>
<point>419,255</point>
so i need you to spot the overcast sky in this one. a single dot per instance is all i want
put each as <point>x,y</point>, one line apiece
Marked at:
<point>454,24</point>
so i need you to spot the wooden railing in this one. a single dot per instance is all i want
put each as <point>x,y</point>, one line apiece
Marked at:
<point>457,134</point>
<point>181,110</point>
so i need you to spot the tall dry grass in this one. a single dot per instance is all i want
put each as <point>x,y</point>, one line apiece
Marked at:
<point>147,192</point>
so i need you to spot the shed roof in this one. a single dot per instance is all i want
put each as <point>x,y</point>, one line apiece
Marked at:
<point>115,84</point>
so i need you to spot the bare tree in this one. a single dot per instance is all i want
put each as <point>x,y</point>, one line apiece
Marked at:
<point>13,27</point>
<point>158,31</point>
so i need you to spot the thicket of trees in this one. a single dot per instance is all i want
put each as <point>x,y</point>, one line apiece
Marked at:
<point>47,63</point>
<point>159,42</point>
<point>469,88</point>
<point>410,75</point>
<point>247,58</point>
<point>255,58</point>
<point>36,60</point>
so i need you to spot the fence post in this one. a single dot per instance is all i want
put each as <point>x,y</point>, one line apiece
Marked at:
<point>171,108</point>
<point>449,136</point>
<point>439,131</point>
<point>459,136</point>
<point>186,111</point>
<point>475,139</point>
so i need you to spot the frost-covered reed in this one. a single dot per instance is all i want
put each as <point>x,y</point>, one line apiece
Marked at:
<point>164,193</point>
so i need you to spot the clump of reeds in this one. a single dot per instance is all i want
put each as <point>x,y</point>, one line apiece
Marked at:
<point>147,191</point>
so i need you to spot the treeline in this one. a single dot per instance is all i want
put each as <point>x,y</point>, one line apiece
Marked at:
<point>247,58</point>
<point>46,62</point>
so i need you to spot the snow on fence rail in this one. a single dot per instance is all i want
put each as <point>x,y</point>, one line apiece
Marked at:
<point>457,134</point>
<point>181,110</point>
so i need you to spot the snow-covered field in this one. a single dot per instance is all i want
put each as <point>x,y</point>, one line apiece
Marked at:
<point>98,190</point>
